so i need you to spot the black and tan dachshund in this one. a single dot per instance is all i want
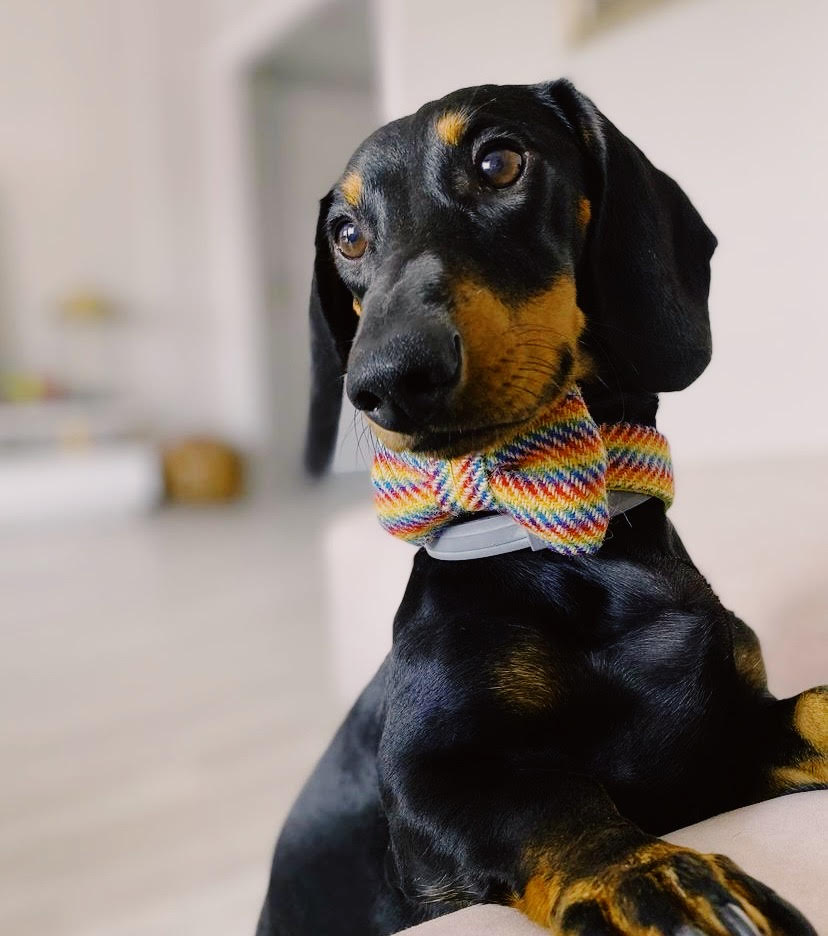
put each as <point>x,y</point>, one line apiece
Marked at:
<point>541,719</point>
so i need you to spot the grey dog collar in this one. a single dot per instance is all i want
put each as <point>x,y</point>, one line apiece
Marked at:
<point>499,533</point>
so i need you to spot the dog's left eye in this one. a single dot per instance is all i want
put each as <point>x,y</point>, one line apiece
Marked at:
<point>350,241</point>
<point>500,167</point>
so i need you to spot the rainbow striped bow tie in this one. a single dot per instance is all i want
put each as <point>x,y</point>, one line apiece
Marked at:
<point>552,479</point>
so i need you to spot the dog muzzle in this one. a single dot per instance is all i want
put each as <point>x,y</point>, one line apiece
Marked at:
<point>554,486</point>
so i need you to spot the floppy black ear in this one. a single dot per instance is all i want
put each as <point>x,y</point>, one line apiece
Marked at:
<point>644,276</point>
<point>332,327</point>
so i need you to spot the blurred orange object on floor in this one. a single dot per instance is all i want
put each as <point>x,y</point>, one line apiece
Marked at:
<point>202,470</point>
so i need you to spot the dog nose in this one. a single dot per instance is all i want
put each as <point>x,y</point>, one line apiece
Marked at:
<point>406,380</point>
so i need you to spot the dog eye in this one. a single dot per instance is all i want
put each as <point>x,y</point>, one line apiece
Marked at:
<point>500,167</point>
<point>350,241</point>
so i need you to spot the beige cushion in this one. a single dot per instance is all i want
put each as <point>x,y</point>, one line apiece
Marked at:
<point>781,842</point>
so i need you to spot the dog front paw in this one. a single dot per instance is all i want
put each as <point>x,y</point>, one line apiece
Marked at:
<point>661,889</point>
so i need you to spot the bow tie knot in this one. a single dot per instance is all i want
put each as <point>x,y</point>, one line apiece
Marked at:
<point>461,485</point>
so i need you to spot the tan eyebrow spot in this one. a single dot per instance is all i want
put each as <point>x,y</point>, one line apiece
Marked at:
<point>351,188</point>
<point>451,126</point>
<point>357,306</point>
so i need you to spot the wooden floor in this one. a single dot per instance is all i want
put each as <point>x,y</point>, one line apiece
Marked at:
<point>166,684</point>
<point>162,700</point>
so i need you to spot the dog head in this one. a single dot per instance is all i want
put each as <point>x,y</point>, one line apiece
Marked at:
<point>478,257</point>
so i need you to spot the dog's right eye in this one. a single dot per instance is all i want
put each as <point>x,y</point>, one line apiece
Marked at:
<point>500,166</point>
<point>350,241</point>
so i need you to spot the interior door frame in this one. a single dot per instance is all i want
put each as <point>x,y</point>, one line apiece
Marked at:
<point>235,286</point>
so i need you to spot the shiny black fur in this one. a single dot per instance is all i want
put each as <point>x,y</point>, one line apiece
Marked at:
<point>437,788</point>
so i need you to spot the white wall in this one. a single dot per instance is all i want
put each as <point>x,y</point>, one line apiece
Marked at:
<point>66,206</point>
<point>103,184</point>
<point>99,187</point>
<point>428,48</point>
<point>729,97</point>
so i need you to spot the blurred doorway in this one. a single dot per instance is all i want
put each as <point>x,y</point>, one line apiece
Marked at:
<point>312,100</point>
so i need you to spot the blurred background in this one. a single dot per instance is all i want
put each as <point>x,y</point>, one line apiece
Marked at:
<point>184,620</point>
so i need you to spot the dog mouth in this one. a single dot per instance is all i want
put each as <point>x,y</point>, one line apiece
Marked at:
<point>460,441</point>
<point>454,443</point>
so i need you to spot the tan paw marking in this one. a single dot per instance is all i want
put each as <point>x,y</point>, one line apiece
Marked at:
<point>657,887</point>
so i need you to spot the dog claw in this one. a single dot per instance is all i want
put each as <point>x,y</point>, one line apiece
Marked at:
<point>737,921</point>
